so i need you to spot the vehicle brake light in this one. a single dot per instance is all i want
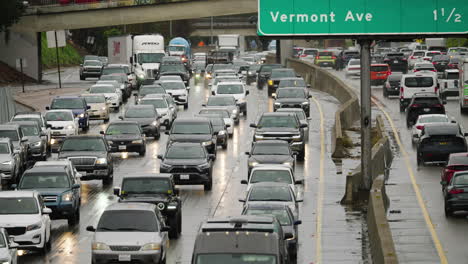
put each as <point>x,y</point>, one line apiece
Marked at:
<point>401,92</point>
<point>428,59</point>
<point>412,57</point>
<point>333,57</point>
<point>433,71</point>
<point>420,127</point>
<point>304,55</point>
<point>456,191</point>
<point>318,57</point>
<point>415,105</point>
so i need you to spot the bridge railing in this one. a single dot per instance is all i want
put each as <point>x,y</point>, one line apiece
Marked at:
<point>72,2</point>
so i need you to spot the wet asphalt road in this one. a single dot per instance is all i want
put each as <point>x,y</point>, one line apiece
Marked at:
<point>414,242</point>
<point>340,240</point>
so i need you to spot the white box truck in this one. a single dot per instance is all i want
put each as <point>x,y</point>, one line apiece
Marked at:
<point>229,43</point>
<point>119,49</point>
<point>463,84</point>
<point>148,51</point>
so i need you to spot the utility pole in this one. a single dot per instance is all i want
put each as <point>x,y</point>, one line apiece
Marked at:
<point>170,28</point>
<point>278,51</point>
<point>58,62</point>
<point>366,115</point>
<point>211,29</point>
<point>22,73</point>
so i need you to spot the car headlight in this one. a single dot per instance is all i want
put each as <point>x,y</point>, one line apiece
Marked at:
<point>36,144</point>
<point>222,132</point>
<point>141,75</point>
<point>305,103</point>
<point>99,246</point>
<point>53,141</point>
<point>207,143</point>
<point>250,73</point>
<point>270,82</point>
<point>277,103</point>
<point>172,206</point>
<point>70,127</point>
<point>104,108</point>
<point>288,163</point>
<point>154,123</point>
<point>7,162</point>
<point>122,87</point>
<point>164,166</point>
<point>67,197</point>
<point>204,166</point>
<point>101,161</point>
<point>234,111</point>
<point>253,164</point>
<point>81,115</point>
<point>137,141</point>
<point>35,226</point>
<point>110,142</point>
<point>151,246</point>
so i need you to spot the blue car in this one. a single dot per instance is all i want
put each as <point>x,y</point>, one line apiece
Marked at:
<point>75,103</point>
<point>59,188</point>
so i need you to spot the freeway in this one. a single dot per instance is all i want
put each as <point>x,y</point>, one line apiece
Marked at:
<point>338,229</point>
<point>434,239</point>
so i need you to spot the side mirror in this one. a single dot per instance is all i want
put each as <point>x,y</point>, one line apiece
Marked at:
<point>203,104</point>
<point>101,132</point>
<point>308,86</point>
<point>213,93</point>
<point>47,108</point>
<point>13,186</point>
<point>165,229</point>
<point>288,236</point>
<point>244,182</point>
<point>304,125</point>
<point>299,181</point>
<point>297,222</point>
<point>121,117</point>
<point>117,191</point>
<point>46,210</point>
<point>42,134</point>
<point>160,157</point>
<point>211,156</point>
<point>309,96</point>
<point>443,182</point>
<point>88,107</point>
<point>81,65</point>
<point>90,229</point>
<point>247,92</point>
<point>16,151</point>
<point>76,186</point>
<point>253,125</point>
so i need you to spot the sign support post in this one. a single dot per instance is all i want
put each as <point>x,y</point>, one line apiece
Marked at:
<point>22,73</point>
<point>366,115</point>
<point>58,62</point>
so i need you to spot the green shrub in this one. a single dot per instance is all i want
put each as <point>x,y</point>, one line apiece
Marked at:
<point>68,56</point>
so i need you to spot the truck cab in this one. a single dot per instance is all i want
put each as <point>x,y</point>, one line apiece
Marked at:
<point>148,51</point>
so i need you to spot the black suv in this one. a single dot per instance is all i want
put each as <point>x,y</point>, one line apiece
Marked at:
<point>438,141</point>
<point>270,152</point>
<point>397,62</point>
<point>423,104</point>
<point>282,126</point>
<point>276,76</point>
<point>198,130</point>
<point>190,164</point>
<point>157,189</point>
<point>292,98</point>
<point>392,84</point>
<point>90,155</point>
<point>264,73</point>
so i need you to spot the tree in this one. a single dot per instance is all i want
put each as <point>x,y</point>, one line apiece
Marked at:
<point>10,13</point>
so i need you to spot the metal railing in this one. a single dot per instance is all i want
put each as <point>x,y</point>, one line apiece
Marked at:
<point>66,2</point>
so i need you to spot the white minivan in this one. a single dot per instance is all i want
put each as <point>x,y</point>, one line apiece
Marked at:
<point>420,82</point>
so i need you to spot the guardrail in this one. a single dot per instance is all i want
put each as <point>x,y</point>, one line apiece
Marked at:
<point>80,2</point>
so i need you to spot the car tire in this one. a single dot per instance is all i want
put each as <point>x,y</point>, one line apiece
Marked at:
<point>47,246</point>
<point>75,218</point>
<point>419,162</point>
<point>163,261</point>
<point>174,232</point>
<point>142,152</point>
<point>385,93</point>
<point>225,145</point>
<point>82,78</point>
<point>301,155</point>
<point>106,120</point>
<point>186,106</point>
<point>157,135</point>
<point>109,179</point>
<point>179,222</point>
<point>448,212</point>
<point>208,186</point>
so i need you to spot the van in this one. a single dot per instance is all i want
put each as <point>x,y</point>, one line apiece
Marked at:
<point>420,82</point>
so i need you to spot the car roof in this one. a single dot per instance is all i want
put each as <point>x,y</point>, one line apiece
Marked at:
<point>13,194</point>
<point>118,122</point>
<point>277,114</point>
<point>103,85</point>
<point>148,175</point>
<point>192,120</point>
<point>221,96</point>
<point>9,126</point>
<point>435,129</point>
<point>131,206</point>
<point>452,70</point>
<point>272,167</point>
<point>140,106</point>
<point>48,169</point>
<point>5,140</point>
<point>185,144</point>
<point>270,184</point>
<point>272,206</point>
<point>283,69</point>
<point>229,83</point>
<point>116,65</point>
<point>52,163</point>
<point>84,136</point>
<point>270,142</point>
<point>28,113</point>
<point>290,109</point>
<point>93,95</point>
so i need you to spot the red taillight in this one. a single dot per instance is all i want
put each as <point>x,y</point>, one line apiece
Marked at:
<point>415,105</point>
<point>420,127</point>
<point>401,92</point>
<point>304,55</point>
<point>456,191</point>
<point>415,70</point>
<point>333,57</point>
<point>438,105</point>
<point>317,57</point>
<point>433,71</point>
<point>386,60</point>
<point>412,57</point>
<point>434,62</point>
<point>428,59</point>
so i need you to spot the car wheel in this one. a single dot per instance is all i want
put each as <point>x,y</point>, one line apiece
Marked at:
<point>301,155</point>
<point>186,106</point>
<point>174,232</point>
<point>225,145</point>
<point>47,245</point>
<point>179,222</point>
<point>142,152</point>
<point>74,219</point>
<point>448,212</point>
<point>106,120</point>
<point>82,78</point>
<point>208,186</point>
<point>163,261</point>
<point>157,135</point>
<point>418,161</point>
<point>109,179</point>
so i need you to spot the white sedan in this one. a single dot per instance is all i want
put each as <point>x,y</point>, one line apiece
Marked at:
<point>427,119</point>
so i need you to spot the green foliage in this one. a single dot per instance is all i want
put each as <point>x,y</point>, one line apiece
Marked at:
<point>457,42</point>
<point>10,13</point>
<point>112,32</point>
<point>67,55</point>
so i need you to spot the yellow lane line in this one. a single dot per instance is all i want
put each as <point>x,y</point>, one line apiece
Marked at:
<point>417,190</point>
<point>319,215</point>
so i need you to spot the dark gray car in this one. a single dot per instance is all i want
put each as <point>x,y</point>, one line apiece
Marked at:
<point>195,130</point>
<point>37,140</point>
<point>292,98</point>
<point>146,116</point>
<point>125,136</point>
<point>270,152</point>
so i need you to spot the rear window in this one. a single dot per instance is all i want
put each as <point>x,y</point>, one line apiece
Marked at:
<point>325,53</point>
<point>379,68</point>
<point>452,76</point>
<point>394,78</point>
<point>419,53</point>
<point>419,81</point>
<point>395,55</point>
<point>310,52</point>
<point>443,141</point>
<point>458,160</point>
<point>427,100</point>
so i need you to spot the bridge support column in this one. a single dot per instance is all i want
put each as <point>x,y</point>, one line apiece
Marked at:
<point>26,45</point>
<point>286,50</point>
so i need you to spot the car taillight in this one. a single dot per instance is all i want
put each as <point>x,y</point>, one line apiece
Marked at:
<point>433,71</point>
<point>415,105</point>
<point>317,57</point>
<point>415,70</point>
<point>438,105</point>
<point>420,127</point>
<point>456,191</point>
<point>333,57</point>
<point>427,59</point>
<point>304,55</point>
<point>434,62</point>
<point>412,57</point>
<point>401,92</point>
<point>386,60</point>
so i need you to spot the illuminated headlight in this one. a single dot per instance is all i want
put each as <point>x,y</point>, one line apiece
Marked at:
<point>110,142</point>
<point>250,73</point>
<point>277,103</point>
<point>36,144</point>
<point>137,141</point>
<point>222,132</point>
<point>35,226</point>
<point>208,76</point>
<point>81,115</point>
<point>122,86</point>
<point>270,82</point>
<point>7,162</point>
<point>4,261</point>
<point>101,161</point>
<point>288,163</point>
<point>151,246</point>
<point>207,143</point>
<point>141,76</point>
<point>67,197</point>
<point>99,246</point>
<point>197,75</point>
<point>172,206</point>
<point>258,137</point>
<point>53,141</point>
<point>234,111</point>
<point>70,127</point>
<point>154,123</point>
<point>305,103</point>
<point>104,108</point>
<point>253,164</point>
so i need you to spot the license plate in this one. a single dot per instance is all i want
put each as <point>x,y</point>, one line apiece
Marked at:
<point>184,176</point>
<point>395,61</point>
<point>56,133</point>
<point>83,173</point>
<point>427,110</point>
<point>125,258</point>
<point>122,147</point>
<point>443,143</point>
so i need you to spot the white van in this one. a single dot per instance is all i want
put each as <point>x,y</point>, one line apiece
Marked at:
<point>420,82</point>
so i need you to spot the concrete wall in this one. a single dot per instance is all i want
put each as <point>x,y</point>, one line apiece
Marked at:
<point>7,105</point>
<point>25,45</point>
<point>380,235</point>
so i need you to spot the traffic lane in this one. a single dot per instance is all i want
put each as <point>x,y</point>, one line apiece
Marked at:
<point>451,231</point>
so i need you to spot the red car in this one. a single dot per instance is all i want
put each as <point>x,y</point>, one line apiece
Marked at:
<point>456,162</point>
<point>379,73</point>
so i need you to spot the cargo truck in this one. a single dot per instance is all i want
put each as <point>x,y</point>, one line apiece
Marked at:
<point>180,47</point>
<point>147,53</point>
<point>463,85</point>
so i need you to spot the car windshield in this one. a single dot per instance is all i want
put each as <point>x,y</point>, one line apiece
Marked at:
<point>117,78</point>
<point>91,57</point>
<point>150,57</point>
<point>145,90</point>
<point>419,81</point>
<point>291,93</point>
<point>119,129</point>
<point>140,113</point>
<point>278,121</point>
<point>112,70</point>
<point>186,152</point>
<point>59,116</point>
<point>173,85</point>
<point>270,193</point>
<point>271,149</point>
<point>379,68</point>
<point>461,179</point>
<point>11,134</point>
<point>222,113</point>
<point>21,205</point>
<point>282,74</point>
<point>83,144</point>
<point>102,89</point>
<point>146,185</point>
<point>95,99</point>
<point>37,119</point>
<point>235,258</point>
<point>4,148</point>
<point>68,103</point>
<point>230,89</point>
<point>128,221</point>
<point>92,63</point>
<point>30,131</point>
<point>217,122</point>
<point>191,128</point>
<point>453,76</point>
<point>172,68</point>
<point>44,180</point>
<point>220,101</point>
<point>292,83</point>
<point>271,176</point>
<point>280,214</point>
<point>176,48</point>
<point>433,119</point>
<point>157,103</point>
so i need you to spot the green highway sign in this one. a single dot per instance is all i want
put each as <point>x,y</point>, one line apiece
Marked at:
<point>362,17</point>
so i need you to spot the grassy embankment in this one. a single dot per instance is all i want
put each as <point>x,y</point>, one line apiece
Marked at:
<point>68,55</point>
